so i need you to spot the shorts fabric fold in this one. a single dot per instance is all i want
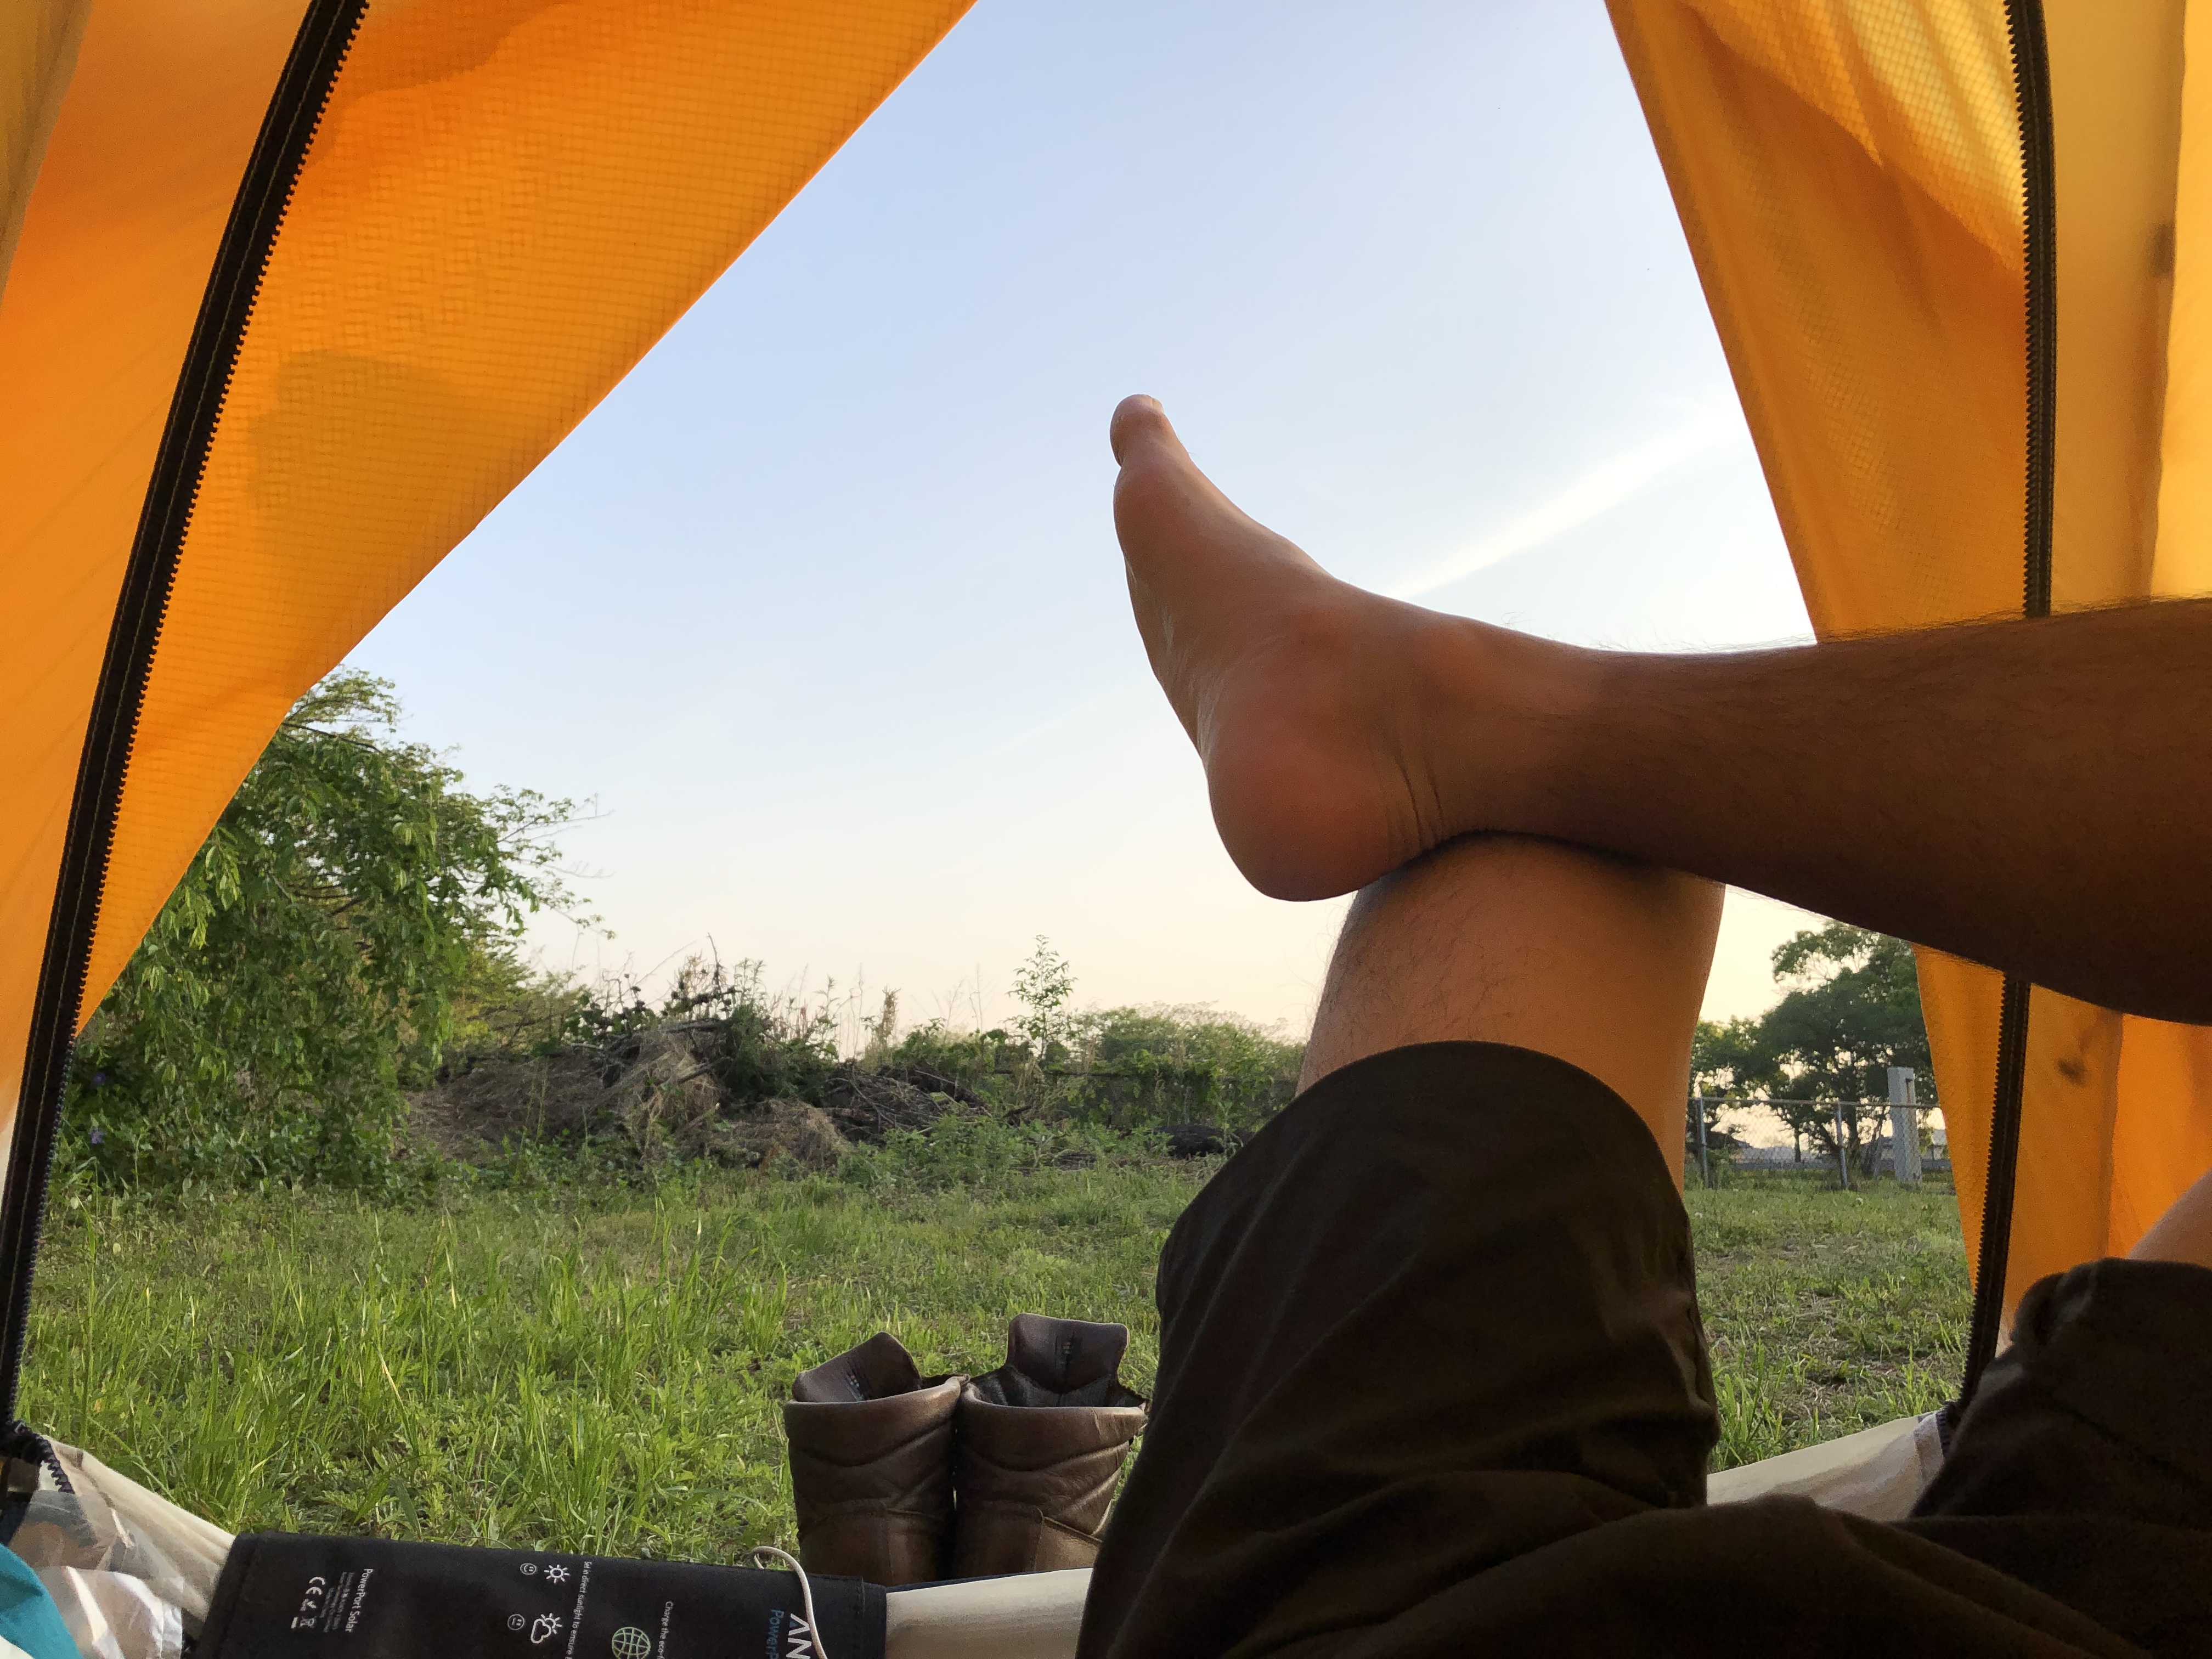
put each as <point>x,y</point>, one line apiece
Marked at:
<point>1433,1381</point>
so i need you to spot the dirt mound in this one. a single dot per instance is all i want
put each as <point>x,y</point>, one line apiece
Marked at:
<point>668,1089</point>
<point>660,1090</point>
<point>868,1105</point>
<point>778,1128</point>
<point>471,1113</point>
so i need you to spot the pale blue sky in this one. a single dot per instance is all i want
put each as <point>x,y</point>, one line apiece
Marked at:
<point>824,603</point>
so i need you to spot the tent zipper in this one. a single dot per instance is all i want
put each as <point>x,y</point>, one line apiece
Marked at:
<point>264,192</point>
<point>2031,62</point>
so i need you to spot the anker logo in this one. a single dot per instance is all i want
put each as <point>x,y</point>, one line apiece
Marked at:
<point>796,1635</point>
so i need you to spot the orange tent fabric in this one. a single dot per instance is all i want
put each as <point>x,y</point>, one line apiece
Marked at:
<point>1850,175</point>
<point>38,51</point>
<point>505,203</point>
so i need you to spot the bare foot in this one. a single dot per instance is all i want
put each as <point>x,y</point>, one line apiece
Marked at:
<point>1342,733</point>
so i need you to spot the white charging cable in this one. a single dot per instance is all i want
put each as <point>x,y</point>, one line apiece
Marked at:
<point>806,1593</point>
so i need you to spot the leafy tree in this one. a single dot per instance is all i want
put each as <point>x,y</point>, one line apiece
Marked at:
<point>1044,986</point>
<point>1725,1059</point>
<point>1852,1011</point>
<point>350,903</point>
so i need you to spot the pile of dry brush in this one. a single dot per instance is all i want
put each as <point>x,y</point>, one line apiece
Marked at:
<point>666,1090</point>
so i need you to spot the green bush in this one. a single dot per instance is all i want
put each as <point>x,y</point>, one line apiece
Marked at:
<point>1160,1064</point>
<point>1122,1068</point>
<point>351,904</point>
<point>763,1045</point>
<point>984,1064</point>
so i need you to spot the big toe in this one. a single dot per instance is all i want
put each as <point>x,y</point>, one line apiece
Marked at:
<point>1140,425</point>
<point>1160,496</point>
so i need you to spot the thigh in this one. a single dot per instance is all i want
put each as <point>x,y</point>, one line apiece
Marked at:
<point>1440,1313</point>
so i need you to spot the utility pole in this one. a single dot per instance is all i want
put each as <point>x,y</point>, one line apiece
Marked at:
<point>1843,1151</point>
<point>1704,1158</point>
<point>1905,1124</point>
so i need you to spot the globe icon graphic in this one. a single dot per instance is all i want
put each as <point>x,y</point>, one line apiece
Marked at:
<point>631,1642</point>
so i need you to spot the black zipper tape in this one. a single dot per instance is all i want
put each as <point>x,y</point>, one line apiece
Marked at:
<point>2031,65</point>
<point>1997,1193</point>
<point>326,30</point>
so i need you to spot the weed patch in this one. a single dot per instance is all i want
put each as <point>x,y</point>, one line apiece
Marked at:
<point>1828,1311</point>
<point>600,1367</point>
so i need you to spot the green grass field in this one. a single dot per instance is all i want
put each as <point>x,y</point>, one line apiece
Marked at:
<point>599,1370</point>
<point>1828,1311</point>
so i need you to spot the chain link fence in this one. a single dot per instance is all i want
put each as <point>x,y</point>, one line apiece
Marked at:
<point>1851,1141</point>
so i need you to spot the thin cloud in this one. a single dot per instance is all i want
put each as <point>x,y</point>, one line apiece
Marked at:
<point>1611,484</point>
<point>1052,725</point>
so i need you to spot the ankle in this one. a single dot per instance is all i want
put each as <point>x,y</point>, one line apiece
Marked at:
<point>1511,713</point>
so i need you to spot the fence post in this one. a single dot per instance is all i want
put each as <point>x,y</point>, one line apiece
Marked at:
<point>1704,1159</point>
<point>1905,1124</point>
<point>1843,1151</point>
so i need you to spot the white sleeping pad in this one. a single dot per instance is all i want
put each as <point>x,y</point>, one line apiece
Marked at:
<point>117,1527</point>
<point>1878,1472</point>
<point>1035,1616</point>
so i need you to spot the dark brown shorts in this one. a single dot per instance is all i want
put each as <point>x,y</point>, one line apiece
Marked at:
<point>1432,1380</point>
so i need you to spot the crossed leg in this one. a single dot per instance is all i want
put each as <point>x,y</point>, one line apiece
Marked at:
<point>2059,776</point>
<point>2037,796</point>
<point>1431,1370</point>
<point>1439,1316</point>
<point>1442,1314</point>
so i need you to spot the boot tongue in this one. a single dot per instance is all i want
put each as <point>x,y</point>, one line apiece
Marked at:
<point>1057,1362</point>
<point>878,1368</point>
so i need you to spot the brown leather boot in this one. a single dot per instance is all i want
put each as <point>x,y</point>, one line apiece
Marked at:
<point>1037,1447</point>
<point>870,1444</point>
